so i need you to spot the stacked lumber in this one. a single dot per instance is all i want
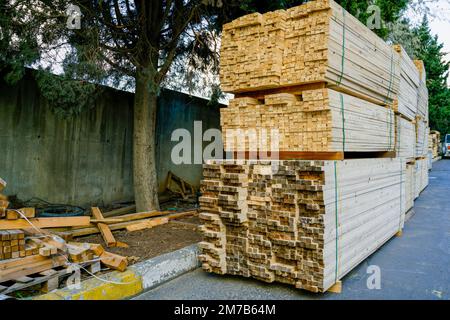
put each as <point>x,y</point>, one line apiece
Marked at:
<point>406,103</point>
<point>434,143</point>
<point>304,223</point>
<point>422,133</point>
<point>12,245</point>
<point>422,106</point>
<point>405,138</point>
<point>421,176</point>
<point>315,42</point>
<point>326,84</point>
<point>322,120</point>
<point>410,186</point>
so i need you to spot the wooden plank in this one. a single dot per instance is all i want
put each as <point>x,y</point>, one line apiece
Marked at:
<point>120,211</point>
<point>107,235</point>
<point>147,224</point>
<point>114,261</point>
<point>45,223</point>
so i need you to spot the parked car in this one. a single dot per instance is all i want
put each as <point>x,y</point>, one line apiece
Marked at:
<point>446,146</point>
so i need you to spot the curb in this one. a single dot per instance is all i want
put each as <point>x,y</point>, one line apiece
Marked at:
<point>136,279</point>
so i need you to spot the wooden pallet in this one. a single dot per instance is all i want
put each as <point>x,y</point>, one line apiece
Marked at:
<point>45,281</point>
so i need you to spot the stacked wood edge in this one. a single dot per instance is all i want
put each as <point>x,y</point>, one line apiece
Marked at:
<point>325,84</point>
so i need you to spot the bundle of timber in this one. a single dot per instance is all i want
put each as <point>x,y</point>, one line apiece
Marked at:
<point>304,223</point>
<point>434,143</point>
<point>422,105</point>
<point>408,95</point>
<point>421,176</point>
<point>321,120</point>
<point>410,185</point>
<point>422,133</point>
<point>405,138</point>
<point>318,42</point>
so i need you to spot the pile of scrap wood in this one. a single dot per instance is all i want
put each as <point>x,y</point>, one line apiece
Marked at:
<point>130,222</point>
<point>31,254</point>
<point>348,161</point>
<point>39,251</point>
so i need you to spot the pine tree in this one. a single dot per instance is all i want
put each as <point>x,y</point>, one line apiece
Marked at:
<point>431,52</point>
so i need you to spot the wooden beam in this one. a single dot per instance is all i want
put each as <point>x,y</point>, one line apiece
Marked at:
<point>120,211</point>
<point>114,261</point>
<point>44,223</point>
<point>147,224</point>
<point>107,235</point>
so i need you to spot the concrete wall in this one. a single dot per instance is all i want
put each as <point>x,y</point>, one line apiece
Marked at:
<point>86,160</point>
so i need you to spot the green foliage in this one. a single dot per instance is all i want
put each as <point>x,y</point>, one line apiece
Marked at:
<point>431,52</point>
<point>67,97</point>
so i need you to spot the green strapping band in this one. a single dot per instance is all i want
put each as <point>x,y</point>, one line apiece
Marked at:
<point>390,128</point>
<point>343,122</point>
<point>391,79</point>
<point>336,219</point>
<point>343,50</point>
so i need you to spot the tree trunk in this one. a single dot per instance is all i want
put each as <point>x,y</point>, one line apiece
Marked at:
<point>144,151</point>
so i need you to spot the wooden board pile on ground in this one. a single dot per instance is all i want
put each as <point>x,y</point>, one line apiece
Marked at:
<point>333,90</point>
<point>40,251</point>
<point>434,143</point>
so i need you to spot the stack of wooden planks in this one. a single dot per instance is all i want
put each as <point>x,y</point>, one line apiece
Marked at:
<point>305,223</point>
<point>315,42</point>
<point>406,102</point>
<point>410,185</point>
<point>434,143</point>
<point>405,138</point>
<point>326,84</point>
<point>421,176</point>
<point>321,120</point>
<point>422,133</point>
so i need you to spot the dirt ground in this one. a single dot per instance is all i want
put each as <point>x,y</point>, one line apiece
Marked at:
<point>146,244</point>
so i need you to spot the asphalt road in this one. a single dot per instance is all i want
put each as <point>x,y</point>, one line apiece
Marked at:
<point>414,266</point>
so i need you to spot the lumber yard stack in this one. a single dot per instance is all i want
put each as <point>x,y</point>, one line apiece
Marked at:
<point>434,143</point>
<point>351,114</point>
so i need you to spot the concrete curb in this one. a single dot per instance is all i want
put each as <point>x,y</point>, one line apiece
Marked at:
<point>137,279</point>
